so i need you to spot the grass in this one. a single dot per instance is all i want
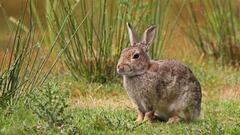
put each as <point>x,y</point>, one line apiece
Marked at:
<point>121,121</point>
<point>108,110</point>
<point>103,121</point>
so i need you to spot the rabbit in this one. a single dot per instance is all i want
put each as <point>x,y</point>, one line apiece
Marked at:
<point>164,89</point>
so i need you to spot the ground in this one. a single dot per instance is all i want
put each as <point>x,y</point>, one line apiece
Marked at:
<point>66,106</point>
<point>106,109</point>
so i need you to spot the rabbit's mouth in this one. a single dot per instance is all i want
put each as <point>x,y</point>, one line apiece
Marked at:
<point>124,71</point>
<point>127,73</point>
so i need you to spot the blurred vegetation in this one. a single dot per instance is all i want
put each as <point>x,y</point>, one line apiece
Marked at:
<point>214,29</point>
<point>26,66</point>
<point>95,48</point>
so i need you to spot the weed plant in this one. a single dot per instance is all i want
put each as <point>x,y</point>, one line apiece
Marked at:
<point>49,104</point>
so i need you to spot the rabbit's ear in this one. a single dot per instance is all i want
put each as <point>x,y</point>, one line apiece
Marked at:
<point>149,35</point>
<point>132,35</point>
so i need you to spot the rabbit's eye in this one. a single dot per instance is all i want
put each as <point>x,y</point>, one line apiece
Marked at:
<point>136,56</point>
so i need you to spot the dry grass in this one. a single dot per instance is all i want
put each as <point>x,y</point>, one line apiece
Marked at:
<point>230,93</point>
<point>95,95</point>
<point>90,102</point>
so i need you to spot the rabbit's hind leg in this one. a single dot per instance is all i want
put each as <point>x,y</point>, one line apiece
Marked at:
<point>149,116</point>
<point>174,119</point>
<point>183,115</point>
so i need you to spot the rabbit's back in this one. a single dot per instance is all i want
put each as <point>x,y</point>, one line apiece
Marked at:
<point>178,86</point>
<point>167,86</point>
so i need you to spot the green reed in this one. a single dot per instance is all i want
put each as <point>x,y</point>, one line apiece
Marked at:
<point>214,29</point>
<point>26,66</point>
<point>95,49</point>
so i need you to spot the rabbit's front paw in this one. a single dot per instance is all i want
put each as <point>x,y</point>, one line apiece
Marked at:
<point>140,117</point>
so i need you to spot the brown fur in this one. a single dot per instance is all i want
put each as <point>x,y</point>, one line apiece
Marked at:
<point>165,88</point>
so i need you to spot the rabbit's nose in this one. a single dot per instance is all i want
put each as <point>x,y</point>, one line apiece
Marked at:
<point>120,68</point>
